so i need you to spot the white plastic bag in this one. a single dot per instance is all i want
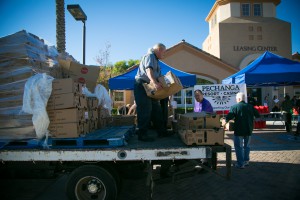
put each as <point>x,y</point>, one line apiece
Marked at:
<point>103,97</point>
<point>37,91</point>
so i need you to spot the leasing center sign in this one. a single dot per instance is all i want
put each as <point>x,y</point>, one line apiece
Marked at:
<point>221,96</point>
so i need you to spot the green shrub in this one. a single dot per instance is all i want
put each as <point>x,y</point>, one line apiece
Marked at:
<point>114,111</point>
<point>182,110</point>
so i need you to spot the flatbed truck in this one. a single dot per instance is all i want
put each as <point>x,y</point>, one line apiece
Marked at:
<point>94,173</point>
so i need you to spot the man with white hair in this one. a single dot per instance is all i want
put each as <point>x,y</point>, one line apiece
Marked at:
<point>149,109</point>
<point>243,115</point>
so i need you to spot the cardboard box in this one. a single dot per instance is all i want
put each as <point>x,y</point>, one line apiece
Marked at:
<point>202,136</point>
<point>86,74</point>
<point>198,121</point>
<point>12,101</point>
<point>91,114</point>
<point>16,75</point>
<point>66,115</point>
<point>121,120</point>
<point>67,85</point>
<point>11,93</point>
<point>190,123</point>
<point>171,85</point>
<point>93,125</point>
<point>191,137</point>
<point>15,123</point>
<point>214,136</point>
<point>102,123</point>
<point>92,103</point>
<point>67,100</point>
<point>24,132</point>
<point>212,121</point>
<point>86,127</point>
<point>103,112</point>
<point>66,130</point>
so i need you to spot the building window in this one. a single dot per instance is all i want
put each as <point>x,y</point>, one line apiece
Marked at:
<point>259,37</point>
<point>189,96</point>
<point>245,9</point>
<point>119,96</point>
<point>184,97</point>
<point>250,28</point>
<point>177,97</point>
<point>251,37</point>
<point>257,9</point>
<point>259,29</point>
<point>213,21</point>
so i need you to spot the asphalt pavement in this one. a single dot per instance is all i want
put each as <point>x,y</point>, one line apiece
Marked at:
<point>274,173</point>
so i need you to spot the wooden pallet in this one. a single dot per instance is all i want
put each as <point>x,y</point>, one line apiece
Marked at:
<point>102,138</point>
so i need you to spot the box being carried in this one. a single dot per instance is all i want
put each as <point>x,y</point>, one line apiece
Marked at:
<point>171,85</point>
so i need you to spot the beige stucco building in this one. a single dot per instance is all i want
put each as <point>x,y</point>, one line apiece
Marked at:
<point>239,32</point>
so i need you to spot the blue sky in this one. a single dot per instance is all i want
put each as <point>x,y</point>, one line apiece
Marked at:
<point>129,26</point>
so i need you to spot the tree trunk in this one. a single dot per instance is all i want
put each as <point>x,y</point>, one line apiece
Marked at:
<point>60,26</point>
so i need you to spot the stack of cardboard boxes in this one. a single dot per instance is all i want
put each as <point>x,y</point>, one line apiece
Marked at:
<point>72,113</point>
<point>103,117</point>
<point>200,129</point>
<point>67,108</point>
<point>22,55</point>
<point>92,113</point>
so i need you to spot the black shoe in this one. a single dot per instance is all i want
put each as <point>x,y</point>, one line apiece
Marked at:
<point>145,138</point>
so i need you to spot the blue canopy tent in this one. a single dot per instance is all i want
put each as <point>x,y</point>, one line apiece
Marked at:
<point>267,70</point>
<point>126,81</point>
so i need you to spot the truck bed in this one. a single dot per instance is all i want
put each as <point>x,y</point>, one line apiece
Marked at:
<point>167,148</point>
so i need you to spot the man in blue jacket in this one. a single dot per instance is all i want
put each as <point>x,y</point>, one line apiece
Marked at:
<point>243,115</point>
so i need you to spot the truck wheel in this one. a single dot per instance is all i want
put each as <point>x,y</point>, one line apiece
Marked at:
<point>91,182</point>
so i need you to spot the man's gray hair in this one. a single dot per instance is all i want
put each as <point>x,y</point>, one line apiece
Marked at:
<point>241,96</point>
<point>156,47</point>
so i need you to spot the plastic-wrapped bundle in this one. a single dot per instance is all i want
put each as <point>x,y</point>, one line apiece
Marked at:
<point>36,94</point>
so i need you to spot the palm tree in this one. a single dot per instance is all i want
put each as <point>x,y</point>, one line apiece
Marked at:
<point>60,26</point>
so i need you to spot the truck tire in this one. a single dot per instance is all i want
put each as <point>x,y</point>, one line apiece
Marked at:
<point>91,182</point>
<point>112,171</point>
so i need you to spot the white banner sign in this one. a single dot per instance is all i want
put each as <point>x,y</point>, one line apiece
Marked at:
<point>221,96</point>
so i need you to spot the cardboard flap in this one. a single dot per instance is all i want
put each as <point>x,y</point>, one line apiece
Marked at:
<point>87,74</point>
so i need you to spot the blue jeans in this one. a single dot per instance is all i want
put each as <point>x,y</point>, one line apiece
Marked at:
<point>242,149</point>
<point>148,110</point>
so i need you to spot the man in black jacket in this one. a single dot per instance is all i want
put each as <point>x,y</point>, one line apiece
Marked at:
<point>243,115</point>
